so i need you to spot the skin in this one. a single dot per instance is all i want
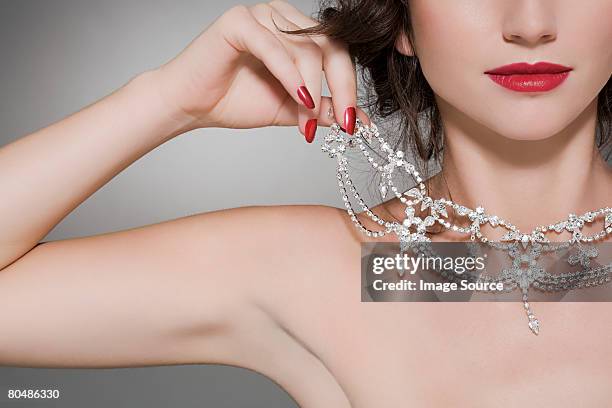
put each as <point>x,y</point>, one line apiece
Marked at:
<point>518,144</point>
<point>163,294</point>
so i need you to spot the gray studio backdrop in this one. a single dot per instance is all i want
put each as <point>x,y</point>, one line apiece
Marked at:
<point>57,56</point>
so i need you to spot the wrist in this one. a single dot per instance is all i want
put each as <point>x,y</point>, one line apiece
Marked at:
<point>172,119</point>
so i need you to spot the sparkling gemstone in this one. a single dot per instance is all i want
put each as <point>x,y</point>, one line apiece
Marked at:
<point>462,210</point>
<point>383,190</point>
<point>427,202</point>
<point>494,221</point>
<point>509,236</point>
<point>414,192</point>
<point>525,240</point>
<point>534,325</point>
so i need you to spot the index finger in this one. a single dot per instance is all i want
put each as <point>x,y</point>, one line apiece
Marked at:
<point>252,37</point>
<point>340,72</point>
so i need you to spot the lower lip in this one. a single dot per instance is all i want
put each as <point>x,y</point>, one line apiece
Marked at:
<point>530,82</point>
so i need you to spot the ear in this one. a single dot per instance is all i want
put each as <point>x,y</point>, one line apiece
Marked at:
<point>402,45</point>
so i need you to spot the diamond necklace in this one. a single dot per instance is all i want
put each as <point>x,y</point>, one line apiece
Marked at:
<point>413,229</point>
<point>525,271</point>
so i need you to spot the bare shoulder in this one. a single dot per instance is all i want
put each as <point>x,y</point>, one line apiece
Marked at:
<point>195,281</point>
<point>278,229</point>
<point>269,240</point>
<point>317,227</point>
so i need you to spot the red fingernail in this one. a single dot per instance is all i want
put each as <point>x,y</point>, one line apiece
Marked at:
<point>305,97</point>
<point>349,120</point>
<point>310,129</point>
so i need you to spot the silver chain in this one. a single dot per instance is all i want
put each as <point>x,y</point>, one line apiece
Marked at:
<point>413,230</point>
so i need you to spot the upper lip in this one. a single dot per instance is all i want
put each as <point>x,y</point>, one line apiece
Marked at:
<point>526,68</point>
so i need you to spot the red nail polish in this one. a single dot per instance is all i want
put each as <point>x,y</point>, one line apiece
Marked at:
<point>310,129</point>
<point>349,120</point>
<point>305,97</point>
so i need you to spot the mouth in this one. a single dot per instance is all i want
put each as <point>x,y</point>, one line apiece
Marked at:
<point>524,77</point>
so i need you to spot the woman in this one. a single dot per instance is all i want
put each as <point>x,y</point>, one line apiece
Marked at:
<point>165,293</point>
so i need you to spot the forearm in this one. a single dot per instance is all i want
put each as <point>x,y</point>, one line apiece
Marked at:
<point>48,173</point>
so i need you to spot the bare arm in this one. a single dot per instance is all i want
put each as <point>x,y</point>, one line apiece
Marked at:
<point>96,300</point>
<point>46,174</point>
<point>165,293</point>
<point>179,292</point>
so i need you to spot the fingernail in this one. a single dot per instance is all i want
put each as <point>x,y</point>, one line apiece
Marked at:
<point>349,120</point>
<point>310,130</point>
<point>305,97</point>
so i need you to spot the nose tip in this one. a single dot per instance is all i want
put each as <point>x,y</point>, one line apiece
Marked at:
<point>529,23</point>
<point>529,38</point>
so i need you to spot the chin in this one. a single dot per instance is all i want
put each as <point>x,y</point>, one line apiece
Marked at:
<point>528,129</point>
<point>528,122</point>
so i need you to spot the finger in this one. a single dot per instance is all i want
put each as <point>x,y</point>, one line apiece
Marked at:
<point>327,116</point>
<point>342,82</point>
<point>308,59</point>
<point>309,64</point>
<point>250,36</point>
<point>288,115</point>
<point>339,70</point>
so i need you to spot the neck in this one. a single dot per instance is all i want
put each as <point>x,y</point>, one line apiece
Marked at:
<point>529,183</point>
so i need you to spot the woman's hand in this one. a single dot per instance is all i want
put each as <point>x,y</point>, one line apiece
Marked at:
<point>240,73</point>
<point>243,72</point>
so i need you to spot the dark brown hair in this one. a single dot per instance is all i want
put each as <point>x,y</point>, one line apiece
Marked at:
<point>395,83</point>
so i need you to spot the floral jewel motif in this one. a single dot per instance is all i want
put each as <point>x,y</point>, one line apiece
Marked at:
<point>406,236</point>
<point>421,224</point>
<point>407,239</point>
<point>478,215</point>
<point>414,229</point>
<point>573,223</point>
<point>583,256</point>
<point>425,201</point>
<point>525,270</point>
<point>438,209</point>
<point>524,275</point>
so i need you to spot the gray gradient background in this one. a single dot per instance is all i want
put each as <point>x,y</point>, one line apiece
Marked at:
<point>59,56</point>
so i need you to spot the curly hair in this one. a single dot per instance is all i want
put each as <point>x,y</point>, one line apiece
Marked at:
<point>395,82</point>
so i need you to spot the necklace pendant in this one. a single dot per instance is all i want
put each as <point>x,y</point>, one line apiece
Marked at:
<point>534,324</point>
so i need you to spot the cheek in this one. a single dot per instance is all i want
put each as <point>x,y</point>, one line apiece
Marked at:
<point>448,36</point>
<point>587,33</point>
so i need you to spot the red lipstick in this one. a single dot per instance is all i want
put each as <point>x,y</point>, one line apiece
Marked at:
<point>524,77</point>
